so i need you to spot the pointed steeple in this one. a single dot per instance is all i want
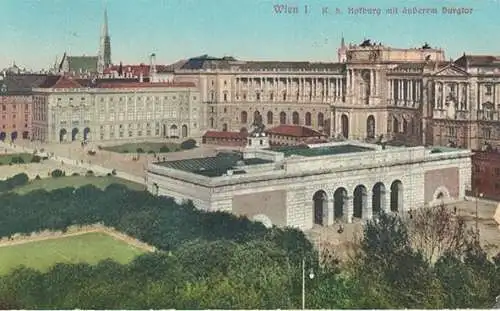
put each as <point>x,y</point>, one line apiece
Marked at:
<point>105,30</point>
<point>104,59</point>
<point>342,41</point>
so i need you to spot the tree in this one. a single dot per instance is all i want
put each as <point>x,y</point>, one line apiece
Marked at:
<point>188,144</point>
<point>436,231</point>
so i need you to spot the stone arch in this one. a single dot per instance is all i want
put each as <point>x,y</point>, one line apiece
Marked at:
<point>359,201</point>
<point>184,131</point>
<point>344,121</point>
<point>340,201</point>
<point>370,127</point>
<point>62,135</point>
<point>395,125</point>
<point>164,130</point>
<point>378,198</point>
<point>282,117</point>
<point>13,135</point>
<point>86,132</point>
<point>295,118</point>
<point>269,117</point>
<point>173,131</point>
<point>211,121</point>
<point>224,127</point>
<point>307,119</point>
<point>321,119</point>
<point>266,221</point>
<point>74,134</point>
<point>320,208</point>
<point>244,117</point>
<point>397,196</point>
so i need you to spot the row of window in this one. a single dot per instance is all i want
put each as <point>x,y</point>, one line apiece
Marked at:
<point>26,117</point>
<point>14,107</point>
<point>4,126</point>
<point>453,132</point>
<point>147,98</point>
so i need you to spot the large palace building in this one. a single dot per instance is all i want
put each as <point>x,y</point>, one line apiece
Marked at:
<point>411,95</point>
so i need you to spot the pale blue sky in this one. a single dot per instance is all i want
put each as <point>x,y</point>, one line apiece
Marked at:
<point>34,32</point>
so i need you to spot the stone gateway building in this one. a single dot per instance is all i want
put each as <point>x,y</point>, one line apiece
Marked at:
<point>317,184</point>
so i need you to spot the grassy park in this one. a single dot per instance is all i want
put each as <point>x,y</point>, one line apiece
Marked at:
<point>84,248</point>
<point>144,147</point>
<point>75,181</point>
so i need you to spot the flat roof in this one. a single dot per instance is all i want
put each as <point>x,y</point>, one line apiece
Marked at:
<point>307,151</point>
<point>214,166</point>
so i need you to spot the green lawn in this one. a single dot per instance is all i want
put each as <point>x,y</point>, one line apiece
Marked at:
<point>90,248</point>
<point>75,181</point>
<point>146,147</point>
<point>7,158</point>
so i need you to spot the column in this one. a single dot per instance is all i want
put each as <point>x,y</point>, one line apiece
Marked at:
<point>330,212</point>
<point>337,88</point>
<point>348,209</point>
<point>372,83</point>
<point>459,95</point>
<point>332,124</point>
<point>401,91</point>
<point>387,205</point>
<point>435,95</point>
<point>348,82</point>
<point>368,210</point>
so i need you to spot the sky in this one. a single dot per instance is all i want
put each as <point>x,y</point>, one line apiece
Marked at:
<point>36,32</point>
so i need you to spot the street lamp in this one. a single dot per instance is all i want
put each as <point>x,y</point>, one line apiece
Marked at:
<point>480,195</point>
<point>311,276</point>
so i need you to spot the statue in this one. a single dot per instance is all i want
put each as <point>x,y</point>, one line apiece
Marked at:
<point>497,215</point>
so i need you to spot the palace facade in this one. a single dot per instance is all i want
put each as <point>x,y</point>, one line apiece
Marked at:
<point>66,109</point>
<point>415,96</point>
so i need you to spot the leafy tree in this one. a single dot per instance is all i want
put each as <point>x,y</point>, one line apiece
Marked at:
<point>57,173</point>
<point>188,144</point>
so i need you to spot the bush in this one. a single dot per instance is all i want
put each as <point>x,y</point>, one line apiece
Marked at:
<point>91,152</point>
<point>75,174</point>
<point>108,174</point>
<point>99,147</point>
<point>164,149</point>
<point>151,151</point>
<point>17,160</point>
<point>89,173</point>
<point>188,144</point>
<point>18,180</point>
<point>57,173</point>
<point>113,172</point>
<point>36,159</point>
<point>140,150</point>
<point>37,177</point>
<point>124,151</point>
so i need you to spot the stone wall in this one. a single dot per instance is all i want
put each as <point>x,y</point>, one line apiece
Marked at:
<point>270,203</point>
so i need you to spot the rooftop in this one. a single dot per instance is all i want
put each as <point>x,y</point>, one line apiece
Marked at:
<point>214,166</point>
<point>294,131</point>
<point>307,151</point>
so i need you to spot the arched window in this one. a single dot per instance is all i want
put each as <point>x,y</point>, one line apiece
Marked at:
<point>269,117</point>
<point>308,119</point>
<point>212,123</point>
<point>295,118</point>
<point>284,95</point>
<point>244,117</point>
<point>321,119</point>
<point>282,117</point>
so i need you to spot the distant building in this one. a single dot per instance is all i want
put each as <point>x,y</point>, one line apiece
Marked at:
<point>235,139</point>
<point>67,109</point>
<point>16,103</point>
<point>486,174</point>
<point>89,66</point>
<point>290,135</point>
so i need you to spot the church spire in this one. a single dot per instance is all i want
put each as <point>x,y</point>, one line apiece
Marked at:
<point>104,59</point>
<point>105,30</point>
<point>342,41</point>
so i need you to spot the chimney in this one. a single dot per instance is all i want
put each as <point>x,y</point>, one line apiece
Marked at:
<point>152,67</point>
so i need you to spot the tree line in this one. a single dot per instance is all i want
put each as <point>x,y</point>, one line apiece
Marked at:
<point>220,261</point>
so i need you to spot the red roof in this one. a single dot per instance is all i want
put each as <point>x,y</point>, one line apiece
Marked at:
<point>133,70</point>
<point>294,131</point>
<point>125,85</point>
<point>229,135</point>
<point>66,83</point>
